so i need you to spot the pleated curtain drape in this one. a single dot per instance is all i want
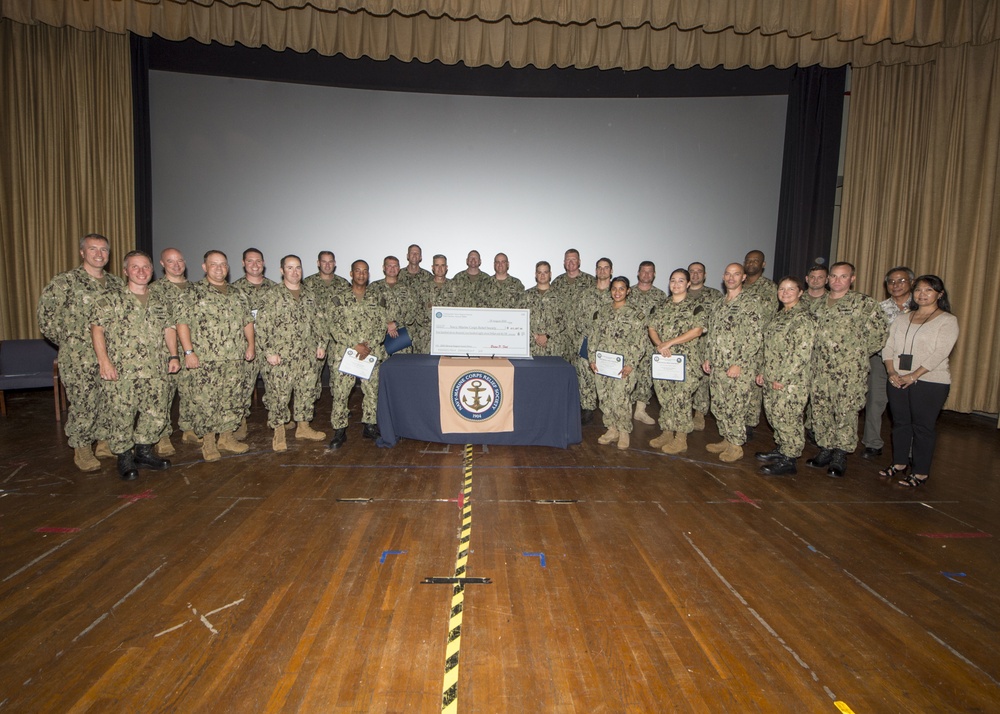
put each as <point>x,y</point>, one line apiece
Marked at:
<point>920,174</point>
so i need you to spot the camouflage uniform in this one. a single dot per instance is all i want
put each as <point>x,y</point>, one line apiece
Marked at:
<point>215,390</point>
<point>324,292</point>
<point>847,333</point>
<point>670,320</point>
<point>255,298</point>
<point>645,302</point>
<point>767,291</point>
<point>788,349</point>
<point>170,293</point>
<point>412,281</point>
<point>137,406</point>
<point>706,296</point>
<point>292,327</point>
<point>64,310</point>
<point>578,321</point>
<point>546,319</point>
<point>356,321</point>
<point>734,337</point>
<point>504,294</point>
<point>584,313</point>
<point>621,331</point>
<point>427,296</point>
<point>400,307</point>
<point>471,290</point>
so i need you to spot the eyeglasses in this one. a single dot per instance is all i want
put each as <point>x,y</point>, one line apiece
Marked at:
<point>901,281</point>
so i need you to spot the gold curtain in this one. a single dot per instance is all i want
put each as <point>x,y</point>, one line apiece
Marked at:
<point>610,34</point>
<point>922,188</point>
<point>65,158</point>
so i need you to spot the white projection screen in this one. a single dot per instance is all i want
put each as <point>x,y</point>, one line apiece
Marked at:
<point>293,168</point>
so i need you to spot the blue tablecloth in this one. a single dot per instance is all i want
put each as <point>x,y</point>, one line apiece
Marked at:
<point>546,403</point>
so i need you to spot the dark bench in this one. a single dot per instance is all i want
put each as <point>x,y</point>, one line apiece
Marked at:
<point>29,364</point>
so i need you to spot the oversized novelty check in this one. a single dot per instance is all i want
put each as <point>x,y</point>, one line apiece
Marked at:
<point>480,332</point>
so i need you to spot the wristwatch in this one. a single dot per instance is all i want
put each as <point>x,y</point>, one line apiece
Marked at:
<point>188,352</point>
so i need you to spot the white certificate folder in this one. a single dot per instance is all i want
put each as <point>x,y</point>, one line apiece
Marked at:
<point>671,368</point>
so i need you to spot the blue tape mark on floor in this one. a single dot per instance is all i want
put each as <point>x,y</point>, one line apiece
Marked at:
<point>390,552</point>
<point>540,556</point>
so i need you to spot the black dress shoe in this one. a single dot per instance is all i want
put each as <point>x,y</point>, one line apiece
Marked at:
<point>586,416</point>
<point>769,456</point>
<point>126,466</point>
<point>338,440</point>
<point>838,464</point>
<point>144,456</point>
<point>822,459</point>
<point>370,431</point>
<point>871,453</point>
<point>783,466</point>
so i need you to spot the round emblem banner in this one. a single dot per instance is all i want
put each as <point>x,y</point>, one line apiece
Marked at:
<point>476,396</point>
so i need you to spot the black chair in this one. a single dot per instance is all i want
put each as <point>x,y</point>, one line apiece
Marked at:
<point>29,364</point>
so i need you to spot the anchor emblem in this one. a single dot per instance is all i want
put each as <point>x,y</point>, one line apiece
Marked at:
<point>477,389</point>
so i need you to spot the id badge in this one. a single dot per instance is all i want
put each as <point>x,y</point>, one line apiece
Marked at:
<point>906,362</point>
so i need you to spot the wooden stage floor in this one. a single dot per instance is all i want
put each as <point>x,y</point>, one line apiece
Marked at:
<point>619,582</point>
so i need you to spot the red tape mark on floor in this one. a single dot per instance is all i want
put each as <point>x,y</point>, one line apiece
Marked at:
<point>133,497</point>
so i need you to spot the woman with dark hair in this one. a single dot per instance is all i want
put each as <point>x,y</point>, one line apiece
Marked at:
<point>916,360</point>
<point>619,329</point>
<point>785,377</point>
<point>674,328</point>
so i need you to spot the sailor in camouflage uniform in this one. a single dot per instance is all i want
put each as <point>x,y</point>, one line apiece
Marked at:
<point>169,289</point>
<point>136,346</point>
<point>849,328</point>
<point>733,344</point>
<point>503,291</point>
<point>324,285</point>
<point>581,318</point>
<point>645,297</point>
<point>401,309</point>
<point>785,376</point>
<point>706,295</point>
<point>291,336</point>
<point>64,318</point>
<point>570,286</point>
<point>546,318</point>
<point>471,284</point>
<point>675,328</point>
<point>620,329</point>
<point>440,292</point>
<point>767,291</point>
<point>254,285</point>
<point>359,324</point>
<point>413,275</point>
<point>215,332</point>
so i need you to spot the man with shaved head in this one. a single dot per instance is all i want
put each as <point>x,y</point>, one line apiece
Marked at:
<point>734,340</point>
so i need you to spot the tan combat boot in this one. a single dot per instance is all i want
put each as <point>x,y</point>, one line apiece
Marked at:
<point>718,447</point>
<point>641,415</point>
<point>678,446</point>
<point>85,460</point>
<point>698,420</point>
<point>607,437</point>
<point>189,437</point>
<point>228,442</point>
<point>278,441</point>
<point>209,451</point>
<point>733,452</point>
<point>164,447</point>
<point>305,431</point>
<point>103,451</point>
<point>241,430</point>
<point>665,438</point>
<point>623,441</point>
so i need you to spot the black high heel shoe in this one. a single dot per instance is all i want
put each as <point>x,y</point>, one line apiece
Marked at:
<point>892,471</point>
